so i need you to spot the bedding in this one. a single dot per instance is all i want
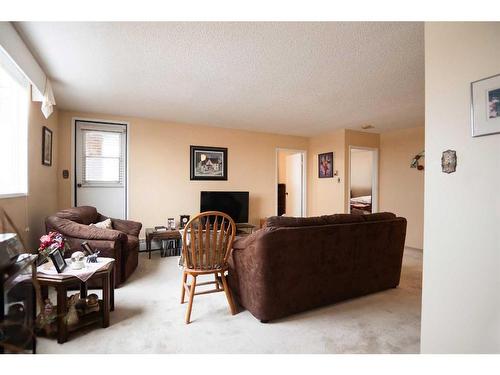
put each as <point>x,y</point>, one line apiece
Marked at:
<point>366,199</point>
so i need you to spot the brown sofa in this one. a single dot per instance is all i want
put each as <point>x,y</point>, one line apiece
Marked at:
<point>120,243</point>
<point>296,264</point>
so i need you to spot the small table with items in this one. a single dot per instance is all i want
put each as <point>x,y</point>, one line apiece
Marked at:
<point>103,271</point>
<point>172,236</point>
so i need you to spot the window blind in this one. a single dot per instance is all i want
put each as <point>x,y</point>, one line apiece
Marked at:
<point>14,101</point>
<point>103,158</point>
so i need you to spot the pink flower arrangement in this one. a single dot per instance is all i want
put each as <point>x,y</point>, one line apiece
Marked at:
<point>51,241</point>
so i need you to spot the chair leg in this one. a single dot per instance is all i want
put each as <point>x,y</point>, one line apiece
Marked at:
<point>228,294</point>
<point>216,281</point>
<point>183,291</point>
<point>191,297</point>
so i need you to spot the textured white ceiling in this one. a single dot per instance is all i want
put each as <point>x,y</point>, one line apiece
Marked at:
<point>294,78</point>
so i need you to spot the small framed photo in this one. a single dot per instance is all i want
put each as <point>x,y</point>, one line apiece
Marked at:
<point>208,163</point>
<point>46,146</point>
<point>58,260</point>
<point>325,165</point>
<point>485,106</point>
<point>171,223</point>
<point>184,219</point>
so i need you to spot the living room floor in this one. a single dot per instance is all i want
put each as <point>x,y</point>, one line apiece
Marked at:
<point>149,319</point>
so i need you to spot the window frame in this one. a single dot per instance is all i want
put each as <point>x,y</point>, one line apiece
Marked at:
<point>122,159</point>
<point>16,75</point>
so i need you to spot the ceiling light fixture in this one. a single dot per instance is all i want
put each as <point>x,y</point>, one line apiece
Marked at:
<point>365,127</point>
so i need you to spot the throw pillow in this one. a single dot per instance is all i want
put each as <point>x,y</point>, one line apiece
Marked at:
<point>106,224</point>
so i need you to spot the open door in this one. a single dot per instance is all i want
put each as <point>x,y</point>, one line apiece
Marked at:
<point>363,180</point>
<point>291,182</point>
<point>294,185</point>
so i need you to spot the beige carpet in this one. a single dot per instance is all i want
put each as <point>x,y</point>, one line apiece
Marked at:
<point>149,319</point>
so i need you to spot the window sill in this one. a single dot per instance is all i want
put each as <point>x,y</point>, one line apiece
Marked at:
<point>16,195</point>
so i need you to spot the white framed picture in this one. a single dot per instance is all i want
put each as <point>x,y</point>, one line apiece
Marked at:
<point>485,106</point>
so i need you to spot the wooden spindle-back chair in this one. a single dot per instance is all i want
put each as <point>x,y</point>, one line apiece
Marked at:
<point>206,245</point>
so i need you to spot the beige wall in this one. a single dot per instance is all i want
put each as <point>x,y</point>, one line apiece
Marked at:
<point>326,195</point>
<point>28,213</point>
<point>361,172</point>
<point>460,303</point>
<point>401,188</point>
<point>330,195</point>
<point>159,185</point>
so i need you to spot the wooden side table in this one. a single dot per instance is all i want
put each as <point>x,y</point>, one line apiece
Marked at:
<point>62,283</point>
<point>169,234</point>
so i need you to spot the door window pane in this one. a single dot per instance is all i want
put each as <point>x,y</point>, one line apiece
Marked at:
<point>103,157</point>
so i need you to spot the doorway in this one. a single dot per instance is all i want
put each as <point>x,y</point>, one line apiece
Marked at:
<point>291,176</point>
<point>100,159</point>
<point>363,180</point>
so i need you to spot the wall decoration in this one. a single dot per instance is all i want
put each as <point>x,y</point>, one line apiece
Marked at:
<point>46,146</point>
<point>325,165</point>
<point>183,221</point>
<point>208,163</point>
<point>449,161</point>
<point>485,106</point>
<point>417,161</point>
<point>171,223</point>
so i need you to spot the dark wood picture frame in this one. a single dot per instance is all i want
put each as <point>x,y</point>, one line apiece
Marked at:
<point>58,260</point>
<point>183,218</point>
<point>46,146</point>
<point>328,156</point>
<point>219,174</point>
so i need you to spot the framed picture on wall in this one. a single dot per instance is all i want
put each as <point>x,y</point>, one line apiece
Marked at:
<point>485,106</point>
<point>46,146</point>
<point>208,163</point>
<point>325,165</point>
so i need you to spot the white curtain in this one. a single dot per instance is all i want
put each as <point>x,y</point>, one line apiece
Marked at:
<point>48,101</point>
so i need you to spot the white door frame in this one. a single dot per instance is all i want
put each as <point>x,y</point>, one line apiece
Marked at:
<point>374,177</point>
<point>304,178</point>
<point>73,156</point>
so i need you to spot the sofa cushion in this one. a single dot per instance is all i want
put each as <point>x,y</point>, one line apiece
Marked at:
<point>379,216</point>
<point>105,224</point>
<point>82,215</point>
<point>287,221</point>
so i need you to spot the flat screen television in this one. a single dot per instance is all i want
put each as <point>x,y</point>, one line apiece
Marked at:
<point>233,203</point>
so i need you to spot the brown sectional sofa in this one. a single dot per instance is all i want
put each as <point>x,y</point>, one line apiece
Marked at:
<point>296,264</point>
<point>120,243</point>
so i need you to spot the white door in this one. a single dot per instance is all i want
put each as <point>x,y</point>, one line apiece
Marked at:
<point>294,185</point>
<point>101,167</point>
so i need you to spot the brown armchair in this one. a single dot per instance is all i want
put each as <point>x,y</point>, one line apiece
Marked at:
<point>120,243</point>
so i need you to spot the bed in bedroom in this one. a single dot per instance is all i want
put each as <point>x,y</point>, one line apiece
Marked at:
<point>361,205</point>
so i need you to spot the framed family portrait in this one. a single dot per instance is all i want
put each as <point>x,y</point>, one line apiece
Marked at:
<point>208,163</point>
<point>46,146</point>
<point>325,165</point>
<point>485,106</point>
